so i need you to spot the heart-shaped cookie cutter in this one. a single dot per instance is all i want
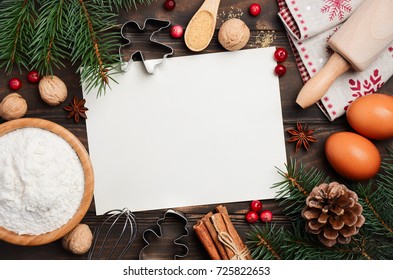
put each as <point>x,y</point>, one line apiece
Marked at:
<point>126,65</point>
<point>144,255</point>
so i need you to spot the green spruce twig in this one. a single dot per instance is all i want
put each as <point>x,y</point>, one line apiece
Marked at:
<point>50,43</point>
<point>374,240</point>
<point>376,205</point>
<point>377,200</point>
<point>17,30</point>
<point>300,245</point>
<point>297,183</point>
<point>123,4</point>
<point>94,46</point>
<point>265,243</point>
<point>82,31</point>
<point>268,243</point>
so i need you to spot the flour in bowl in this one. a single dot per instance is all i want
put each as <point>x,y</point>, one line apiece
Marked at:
<point>41,181</point>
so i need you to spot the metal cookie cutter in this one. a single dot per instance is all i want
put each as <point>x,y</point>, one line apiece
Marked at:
<point>150,21</point>
<point>155,242</point>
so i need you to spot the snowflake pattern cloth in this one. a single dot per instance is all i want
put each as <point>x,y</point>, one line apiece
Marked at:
<point>310,24</point>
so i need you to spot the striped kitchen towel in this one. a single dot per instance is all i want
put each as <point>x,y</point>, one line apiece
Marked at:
<point>309,25</point>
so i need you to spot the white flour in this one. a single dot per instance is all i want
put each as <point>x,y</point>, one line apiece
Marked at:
<point>41,181</point>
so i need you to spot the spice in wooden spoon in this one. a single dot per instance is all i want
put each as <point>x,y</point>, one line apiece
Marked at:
<point>200,29</point>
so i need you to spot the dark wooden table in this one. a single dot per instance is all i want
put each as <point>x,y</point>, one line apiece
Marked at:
<point>290,84</point>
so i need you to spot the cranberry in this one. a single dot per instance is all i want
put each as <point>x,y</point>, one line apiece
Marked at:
<point>252,217</point>
<point>33,77</point>
<point>256,206</point>
<point>280,55</point>
<point>266,216</point>
<point>15,84</point>
<point>280,70</point>
<point>176,31</point>
<point>169,5</point>
<point>255,9</point>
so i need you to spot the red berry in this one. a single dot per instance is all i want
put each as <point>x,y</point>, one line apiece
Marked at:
<point>176,31</point>
<point>33,77</point>
<point>15,84</point>
<point>280,55</point>
<point>280,70</point>
<point>256,206</point>
<point>169,5</point>
<point>255,9</point>
<point>266,216</point>
<point>252,217</point>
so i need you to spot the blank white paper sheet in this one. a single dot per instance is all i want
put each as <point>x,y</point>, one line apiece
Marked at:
<point>205,129</point>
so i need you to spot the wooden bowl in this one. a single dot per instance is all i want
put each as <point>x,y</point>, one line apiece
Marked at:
<point>33,240</point>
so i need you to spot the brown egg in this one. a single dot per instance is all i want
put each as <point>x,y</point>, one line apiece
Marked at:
<point>352,155</point>
<point>372,116</point>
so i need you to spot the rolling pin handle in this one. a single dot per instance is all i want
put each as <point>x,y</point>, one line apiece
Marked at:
<point>319,84</point>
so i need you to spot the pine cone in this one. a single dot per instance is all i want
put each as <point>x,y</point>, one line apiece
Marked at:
<point>334,213</point>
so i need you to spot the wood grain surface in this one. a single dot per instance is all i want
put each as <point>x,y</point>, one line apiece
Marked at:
<point>267,23</point>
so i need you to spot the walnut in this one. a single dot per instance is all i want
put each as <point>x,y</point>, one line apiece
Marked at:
<point>79,240</point>
<point>52,90</point>
<point>233,34</point>
<point>13,106</point>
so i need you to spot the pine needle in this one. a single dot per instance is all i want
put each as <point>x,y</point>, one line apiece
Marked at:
<point>377,200</point>
<point>374,240</point>
<point>94,46</point>
<point>265,242</point>
<point>78,30</point>
<point>297,183</point>
<point>122,4</point>
<point>17,30</point>
<point>51,40</point>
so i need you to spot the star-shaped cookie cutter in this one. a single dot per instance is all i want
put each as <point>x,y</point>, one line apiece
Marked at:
<point>126,65</point>
<point>143,255</point>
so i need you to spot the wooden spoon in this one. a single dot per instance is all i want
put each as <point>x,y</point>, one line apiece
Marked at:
<point>200,29</point>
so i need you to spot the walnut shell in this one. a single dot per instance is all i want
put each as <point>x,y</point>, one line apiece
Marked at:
<point>52,90</point>
<point>79,240</point>
<point>13,106</point>
<point>234,34</point>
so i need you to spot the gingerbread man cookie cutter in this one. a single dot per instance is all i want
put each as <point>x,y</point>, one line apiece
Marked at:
<point>145,253</point>
<point>149,21</point>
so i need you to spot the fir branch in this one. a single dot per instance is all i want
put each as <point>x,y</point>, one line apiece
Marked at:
<point>371,201</point>
<point>383,249</point>
<point>296,186</point>
<point>300,245</point>
<point>80,30</point>
<point>51,41</point>
<point>269,243</point>
<point>385,178</point>
<point>265,242</point>
<point>377,200</point>
<point>122,4</point>
<point>17,30</point>
<point>374,240</point>
<point>94,45</point>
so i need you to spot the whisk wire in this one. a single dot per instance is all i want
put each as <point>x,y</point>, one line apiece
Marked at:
<point>128,230</point>
<point>131,219</point>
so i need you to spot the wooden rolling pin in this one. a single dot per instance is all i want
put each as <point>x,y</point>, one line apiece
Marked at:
<point>356,44</point>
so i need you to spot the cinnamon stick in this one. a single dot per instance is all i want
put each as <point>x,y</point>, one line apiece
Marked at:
<point>206,240</point>
<point>213,233</point>
<point>220,227</point>
<point>232,230</point>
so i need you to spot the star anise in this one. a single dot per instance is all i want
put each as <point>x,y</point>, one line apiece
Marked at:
<point>302,136</point>
<point>76,109</point>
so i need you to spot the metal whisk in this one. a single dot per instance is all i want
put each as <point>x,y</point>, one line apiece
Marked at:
<point>114,236</point>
